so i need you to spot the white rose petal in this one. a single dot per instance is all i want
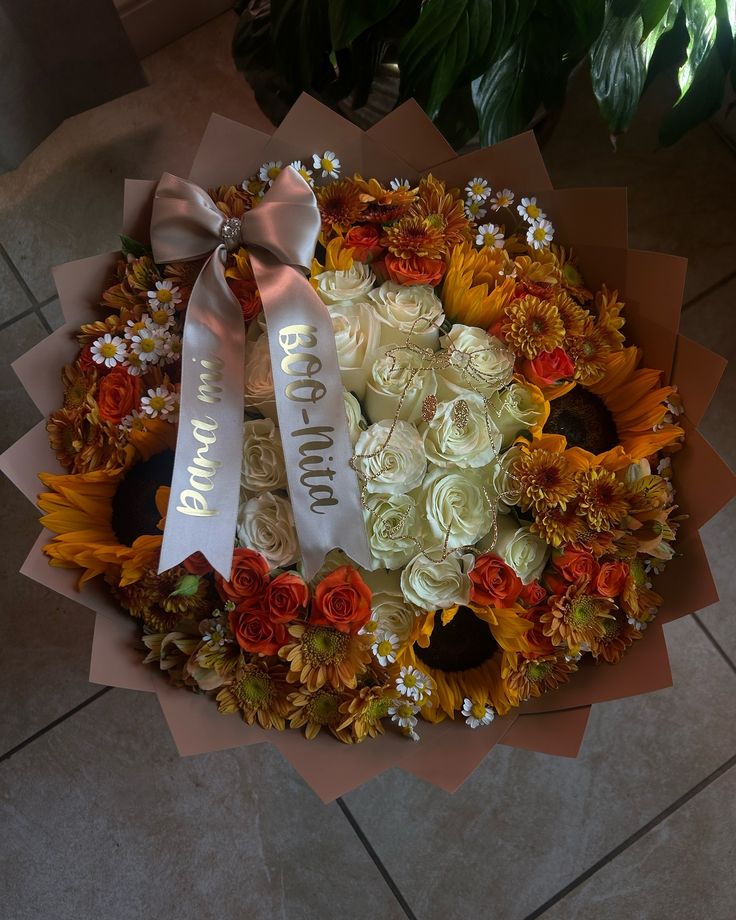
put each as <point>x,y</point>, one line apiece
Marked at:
<point>430,584</point>
<point>339,287</point>
<point>357,333</point>
<point>398,376</point>
<point>479,359</point>
<point>408,309</point>
<point>266,524</point>
<point>516,409</point>
<point>525,552</point>
<point>473,444</point>
<point>389,610</point>
<point>263,467</point>
<point>354,415</point>
<point>503,484</point>
<point>455,506</point>
<point>258,388</point>
<point>392,524</point>
<point>393,468</point>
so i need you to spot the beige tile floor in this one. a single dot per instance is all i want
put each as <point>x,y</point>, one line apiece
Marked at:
<point>102,819</point>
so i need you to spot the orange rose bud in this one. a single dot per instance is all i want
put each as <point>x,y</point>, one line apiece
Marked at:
<point>342,600</point>
<point>548,368</point>
<point>365,241</point>
<point>417,270</point>
<point>248,578</point>
<point>611,578</point>
<point>255,632</point>
<point>118,394</point>
<point>286,598</point>
<point>495,584</point>
<point>532,594</point>
<point>197,564</point>
<point>576,564</point>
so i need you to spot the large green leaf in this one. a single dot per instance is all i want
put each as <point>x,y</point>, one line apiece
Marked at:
<point>350,18</point>
<point>652,13</point>
<point>453,42</point>
<point>700,18</point>
<point>301,43</point>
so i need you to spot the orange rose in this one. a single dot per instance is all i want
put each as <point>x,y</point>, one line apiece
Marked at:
<point>548,367</point>
<point>118,395</point>
<point>364,240</point>
<point>611,578</point>
<point>575,564</point>
<point>286,598</point>
<point>495,584</point>
<point>248,296</point>
<point>418,270</point>
<point>342,600</point>
<point>255,632</point>
<point>539,644</point>
<point>248,579</point>
<point>532,594</point>
<point>197,564</point>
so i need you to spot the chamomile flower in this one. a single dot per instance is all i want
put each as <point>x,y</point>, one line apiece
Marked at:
<point>133,364</point>
<point>404,713</point>
<point>385,648</point>
<point>413,683</point>
<point>490,235</point>
<point>171,348</point>
<point>540,234</point>
<point>253,185</point>
<point>369,629</point>
<point>474,211</point>
<point>328,163</point>
<point>530,210</point>
<point>305,173</point>
<point>134,326</point>
<point>396,184</point>
<point>269,171</point>
<point>136,421</point>
<point>159,402</point>
<point>164,292</point>
<point>477,714</point>
<point>478,189</point>
<point>147,346</point>
<point>502,199</point>
<point>160,317</point>
<point>108,350</point>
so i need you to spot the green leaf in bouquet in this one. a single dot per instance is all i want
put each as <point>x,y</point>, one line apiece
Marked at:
<point>457,118</point>
<point>652,13</point>
<point>700,18</point>
<point>131,247</point>
<point>350,18</point>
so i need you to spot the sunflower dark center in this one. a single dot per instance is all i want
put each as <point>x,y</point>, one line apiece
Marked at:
<point>466,642</point>
<point>584,419</point>
<point>134,512</point>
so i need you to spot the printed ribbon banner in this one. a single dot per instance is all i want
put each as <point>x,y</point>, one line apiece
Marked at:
<point>280,235</point>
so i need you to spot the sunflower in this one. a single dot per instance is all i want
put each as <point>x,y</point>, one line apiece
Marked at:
<point>475,291</point>
<point>320,655</point>
<point>259,691</point>
<point>574,618</point>
<point>532,677</point>
<point>413,237</point>
<point>319,709</point>
<point>533,326</point>
<point>443,210</point>
<point>340,205</point>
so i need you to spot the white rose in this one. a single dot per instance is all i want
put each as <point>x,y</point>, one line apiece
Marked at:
<point>455,506</point>
<point>448,440</point>
<point>389,610</point>
<point>394,375</point>
<point>430,584</point>
<point>258,388</point>
<point>524,551</point>
<point>263,467</point>
<point>391,524</point>
<point>266,524</point>
<point>408,309</point>
<point>354,415</point>
<point>357,332</point>
<point>503,484</point>
<point>478,359</point>
<point>341,286</point>
<point>395,468</point>
<point>517,408</point>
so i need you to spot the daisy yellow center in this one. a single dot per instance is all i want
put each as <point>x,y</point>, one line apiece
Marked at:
<point>158,403</point>
<point>474,207</point>
<point>137,424</point>
<point>163,295</point>
<point>410,680</point>
<point>385,647</point>
<point>327,164</point>
<point>160,317</point>
<point>324,646</point>
<point>533,211</point>
<point>108,350</point>
<point>477,188</point>
<point>273,172</point>
<point>539,234</point>
<point>405,711</point>
<point>137,327</point>
<point>478,710</point>
<point>489,239</point>
<point>502,201</point>
<point>148,345</point>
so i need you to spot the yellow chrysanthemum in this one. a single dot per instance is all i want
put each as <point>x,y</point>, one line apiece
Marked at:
<point>530,678</point>
<point>339,205</point>
<point>443,210</point>
<point>413,237</point>
<point>319,709</point>
<point>543,480</point>
<point>533,326</point>
<point>602,498</point>
<point>319,656</point>
<point>257,690</point>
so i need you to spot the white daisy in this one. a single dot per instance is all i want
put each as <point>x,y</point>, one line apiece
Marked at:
<point>530,210</point>
<point>328,163</point>
<point>133,422</point>
<point>369,629</point>
<point>403,712</point>
<point>477,714</point>
<point>305,173</point>
<point>478,189</point>
<point>133,364</point>
<point>108,350</point>
<point>269,171</point>
<point>413,683</point>
<point>160,317</point>
<point>473,210</point>
<point>396,184</point>
<point>171,347</point>
<point>134,326</point>
<point>165,292</point>
<point>253,186</point>
<point>385,648</point>
<point>159,402</point>
<point>490,235</point>
<point>540,234</point>
<point>502,199</point>
<point>147,345</point>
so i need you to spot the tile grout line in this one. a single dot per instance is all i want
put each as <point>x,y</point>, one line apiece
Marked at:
<point>18,277</point>
<point>633,838</point>
<point>376,859</point>
<point>42,319</point>
<point>6,324</point>
<point>47,728</point>
<point>715,643</point>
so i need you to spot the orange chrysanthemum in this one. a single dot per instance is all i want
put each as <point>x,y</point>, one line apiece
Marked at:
<point>232,200</point>
<point>570,275</point>
<point>588,350</point>
<point>533,326</point>
<point>532,678</point>
<point>258,690</point>
<point>617,636</point>
<point>319,655</point>
<point>543,480</point>
<point>414,237</point>
<point>382,205</point>
<point>163,601</point>
<point>573,316</point>
<point>558,526</point>
<point>362,713</point>
<point>610,321</point>
<point>319,709</point>
<point>443,210</point>
<point>602,498</point>
<point>340,205</point>
<point>574,619</point>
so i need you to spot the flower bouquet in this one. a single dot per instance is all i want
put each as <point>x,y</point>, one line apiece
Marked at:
<point>373,443</point>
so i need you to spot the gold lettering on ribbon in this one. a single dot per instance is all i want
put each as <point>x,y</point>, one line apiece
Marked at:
<point>299,362</point>
<point>203,468</point>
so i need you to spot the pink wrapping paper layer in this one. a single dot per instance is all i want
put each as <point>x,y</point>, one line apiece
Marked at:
<point>406,144</point>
